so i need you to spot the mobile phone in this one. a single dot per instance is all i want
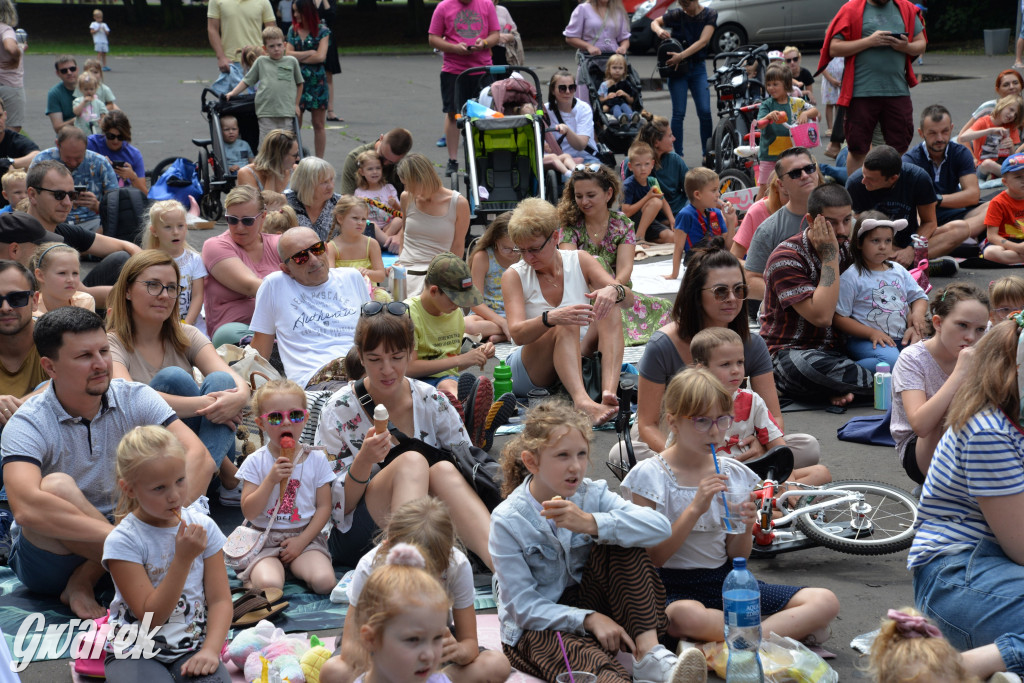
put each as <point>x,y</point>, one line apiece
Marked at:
<point>899,35</point>
<point>81,188</point>
<point>121,164</point>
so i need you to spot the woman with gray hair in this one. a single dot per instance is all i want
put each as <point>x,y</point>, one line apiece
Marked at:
<point>12,68</point>
<point>312,194</point>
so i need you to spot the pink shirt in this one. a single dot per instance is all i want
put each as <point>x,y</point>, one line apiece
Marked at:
<point>755,215</point>
<point>223,305</point>
<point>464,22</point>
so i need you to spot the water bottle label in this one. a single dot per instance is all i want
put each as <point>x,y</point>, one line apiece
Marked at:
<point>743,613</point>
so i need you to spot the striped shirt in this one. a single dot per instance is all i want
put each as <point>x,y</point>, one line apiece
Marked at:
<point>984,459</point>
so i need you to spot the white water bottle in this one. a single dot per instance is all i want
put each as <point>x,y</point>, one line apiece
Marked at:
<point>883,386</point>
<point>741,601</point>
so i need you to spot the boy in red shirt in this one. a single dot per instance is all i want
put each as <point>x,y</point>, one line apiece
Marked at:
<point>1005,218</point>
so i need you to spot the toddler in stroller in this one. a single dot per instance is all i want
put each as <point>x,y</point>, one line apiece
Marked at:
<point>619,102</point>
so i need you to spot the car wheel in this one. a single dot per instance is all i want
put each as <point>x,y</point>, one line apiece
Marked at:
<point>727,38</point>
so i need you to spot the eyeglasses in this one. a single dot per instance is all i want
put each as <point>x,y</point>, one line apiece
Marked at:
<point>792,60</point>
<point>300,257</point>
<point>586,168</point>
<point>16,299</point>
<point>563,87</point>
<point>507,251</point>
<point>59,195</point>
<point>372,308</point>
<point>703,424</point>
<point>154,288</point>
<point>1000,313</point>
<point>721,292</point>
<point>276,417</point>
<point>533,251</point>
<point>68,70</point>
<point>795,174</point>
<point>247,221</point>
<point>116,136</point>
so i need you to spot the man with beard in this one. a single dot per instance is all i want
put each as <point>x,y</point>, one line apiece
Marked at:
<point>951,168</point>
<point>801,292</point>
<point>879,39</point>
<point>58,456</point>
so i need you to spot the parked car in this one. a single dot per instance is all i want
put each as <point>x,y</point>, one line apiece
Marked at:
<point>742,22</point>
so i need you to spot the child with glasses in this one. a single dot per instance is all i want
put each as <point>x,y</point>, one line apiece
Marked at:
<point>492,255</point>
<point>704,217</point>
<point>684,484</point>
<point>292,484</point>
<point>778,112</point>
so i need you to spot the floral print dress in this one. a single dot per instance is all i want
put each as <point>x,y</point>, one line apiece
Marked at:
<point>314,89</point>
<point>649,313</point>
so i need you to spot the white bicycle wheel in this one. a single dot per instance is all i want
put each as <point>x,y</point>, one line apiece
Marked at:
<point>882,522</point>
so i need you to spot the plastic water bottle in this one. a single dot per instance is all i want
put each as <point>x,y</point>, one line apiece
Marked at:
<point>883,386</point>
<point>741,600</point>
<point>502,379</point>
<point>399,287</point>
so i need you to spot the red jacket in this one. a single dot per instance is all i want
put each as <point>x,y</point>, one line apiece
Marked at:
<point>849,21</point>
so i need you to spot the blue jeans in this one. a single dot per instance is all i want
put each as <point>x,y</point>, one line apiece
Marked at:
<point>976,597</point>
<point>696,81</point>
<point>618,110</point>
<point>218,439</point>
<point>860,350</point>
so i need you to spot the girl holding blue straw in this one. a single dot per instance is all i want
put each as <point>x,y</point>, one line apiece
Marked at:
<point>686,482</point>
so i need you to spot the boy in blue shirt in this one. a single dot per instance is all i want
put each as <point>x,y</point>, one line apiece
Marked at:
<point>705,216</point>
<point>641,194</point>
<point>237,152</point>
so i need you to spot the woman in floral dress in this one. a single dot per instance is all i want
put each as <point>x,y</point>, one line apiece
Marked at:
<point>588,223</point>
<point>308,40</point>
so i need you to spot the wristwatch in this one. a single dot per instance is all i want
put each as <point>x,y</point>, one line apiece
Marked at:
<point>544,319</point>
<point>938,199</point>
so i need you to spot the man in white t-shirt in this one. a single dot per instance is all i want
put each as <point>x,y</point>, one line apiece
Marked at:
<point>311,308</point>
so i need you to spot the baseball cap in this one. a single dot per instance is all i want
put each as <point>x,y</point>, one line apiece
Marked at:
<point>775,56</point>
<point>1014,162</point>
<point>451,274</point>
<point>19,227</point>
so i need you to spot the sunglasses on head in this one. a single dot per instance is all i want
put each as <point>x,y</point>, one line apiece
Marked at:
<point>247,221</point>
<point>59,195</point>
<point>586,168</point>
<point>301,256</point>
<point>276,417</point>
<point>16,299</point>
<point>566,87</point>
<point>115,136</point>
<point>68,70</point>
<point>372,308</point>
<point>795,174</point>
<point>721,292</point>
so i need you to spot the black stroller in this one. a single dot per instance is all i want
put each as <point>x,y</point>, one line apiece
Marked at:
<point>617,135</point>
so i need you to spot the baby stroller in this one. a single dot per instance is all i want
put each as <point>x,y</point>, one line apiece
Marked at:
<point>503,155</point>
<point>610,130</point>
<point>212,169</point>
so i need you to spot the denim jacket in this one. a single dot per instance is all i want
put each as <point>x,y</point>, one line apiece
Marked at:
<point>534,564</point>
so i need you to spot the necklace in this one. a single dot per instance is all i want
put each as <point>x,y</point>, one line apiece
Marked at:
<point>596,236</point>
<point>554,280</point>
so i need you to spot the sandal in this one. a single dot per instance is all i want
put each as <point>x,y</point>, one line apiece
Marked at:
<point>332,117</point>
<point>271,595</point>
<point>252,608</point>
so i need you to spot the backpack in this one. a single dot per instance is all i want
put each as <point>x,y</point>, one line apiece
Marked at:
<point>122,213</point>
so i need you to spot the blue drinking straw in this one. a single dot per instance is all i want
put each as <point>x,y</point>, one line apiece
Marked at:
<point>725,502</point>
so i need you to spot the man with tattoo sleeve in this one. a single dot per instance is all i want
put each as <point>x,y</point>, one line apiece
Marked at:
<point>801,291</point>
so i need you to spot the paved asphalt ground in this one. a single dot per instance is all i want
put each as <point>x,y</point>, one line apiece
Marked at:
<point>376,93</point>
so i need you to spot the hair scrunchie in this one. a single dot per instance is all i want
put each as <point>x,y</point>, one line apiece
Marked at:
<point>913,627</point>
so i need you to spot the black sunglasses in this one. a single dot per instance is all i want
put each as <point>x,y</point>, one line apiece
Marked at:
<point>372,308</point>
<point>16,299</point>
<point>792,60</point>
<point>247,221</point>
<point>562,87</point>
<point>795,174</point>
<point>300,257</point>
<point>68,70</point>
<point>721,292</point>
<point>116,136</point>
<point>59,195</point>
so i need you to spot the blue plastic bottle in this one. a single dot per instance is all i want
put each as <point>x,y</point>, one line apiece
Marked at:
<point>883,386</point>
<point>741,600</point>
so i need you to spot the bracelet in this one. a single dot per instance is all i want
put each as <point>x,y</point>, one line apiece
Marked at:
<point>620,293</point>
<point>544,319</point>
<point>358,481</point>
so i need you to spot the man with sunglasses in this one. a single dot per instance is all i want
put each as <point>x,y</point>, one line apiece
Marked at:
<point>88,169</point>
<point>391,147</point>
<point>310,308</point>
<point>60,98</point>
<point>798,176</point>
<point>22,371</point>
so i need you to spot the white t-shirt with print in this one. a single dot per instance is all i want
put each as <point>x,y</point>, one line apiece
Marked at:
<point>190,264</point>
<point>299,502</point>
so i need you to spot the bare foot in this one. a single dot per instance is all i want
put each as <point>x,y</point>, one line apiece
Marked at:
<point>599,413</point>
<point>82,601</point>
<point>843,400</point>
<point>608,398</point>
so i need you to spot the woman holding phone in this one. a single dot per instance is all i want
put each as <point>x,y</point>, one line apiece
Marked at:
<point>114,141</point>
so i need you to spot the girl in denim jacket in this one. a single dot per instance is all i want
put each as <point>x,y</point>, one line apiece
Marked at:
<point>569,559</point>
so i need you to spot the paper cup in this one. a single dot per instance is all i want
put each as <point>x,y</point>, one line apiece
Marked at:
<point>733,500</point>
<point>577,676</point>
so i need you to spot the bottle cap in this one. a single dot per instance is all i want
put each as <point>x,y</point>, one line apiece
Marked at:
<point>739,563</point>
<point>882,367</point>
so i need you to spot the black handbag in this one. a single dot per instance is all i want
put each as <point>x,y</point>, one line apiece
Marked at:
<point>592,376</point>
<point>664,70</point>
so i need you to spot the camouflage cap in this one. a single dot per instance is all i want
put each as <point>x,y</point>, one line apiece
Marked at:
<point>451,274</point>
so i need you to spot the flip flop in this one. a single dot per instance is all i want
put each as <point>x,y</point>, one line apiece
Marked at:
<point>332,117</point>
<point>271,595</point>
<point>252,609</point>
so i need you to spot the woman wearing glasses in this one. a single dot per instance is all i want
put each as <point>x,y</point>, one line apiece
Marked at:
<point>150,344</point>
<point>711,295</point>
<point>114,142</point>
<point>589,223</point>
<point>436,219</point>
<point>378,472</point>
<point>236,262</point>
<point>572,119</point>
<point>312,194</point>
<point>276,159</point>
<point>561,305</point>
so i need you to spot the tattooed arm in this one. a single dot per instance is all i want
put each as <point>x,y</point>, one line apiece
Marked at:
<point>821,306</point>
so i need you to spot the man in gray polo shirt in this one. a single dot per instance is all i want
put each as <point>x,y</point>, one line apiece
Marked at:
<point>58,454</point>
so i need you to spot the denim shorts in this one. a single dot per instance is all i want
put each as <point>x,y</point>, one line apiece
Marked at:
<point>521,382</point>
<point>40,570</point>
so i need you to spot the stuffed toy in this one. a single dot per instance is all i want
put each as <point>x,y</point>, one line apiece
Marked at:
<point>313,660</point>
<point>264,641</point>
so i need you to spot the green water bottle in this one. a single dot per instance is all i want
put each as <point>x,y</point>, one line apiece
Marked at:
<point>502,379</point>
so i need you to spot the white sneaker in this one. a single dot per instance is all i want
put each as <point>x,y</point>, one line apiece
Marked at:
<point>231,497</point>
<point>200,504</point>
<point>692,667</point>
<point>659,665</point>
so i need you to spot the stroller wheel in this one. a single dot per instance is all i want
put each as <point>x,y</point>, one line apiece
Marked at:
<point>211,206</point>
